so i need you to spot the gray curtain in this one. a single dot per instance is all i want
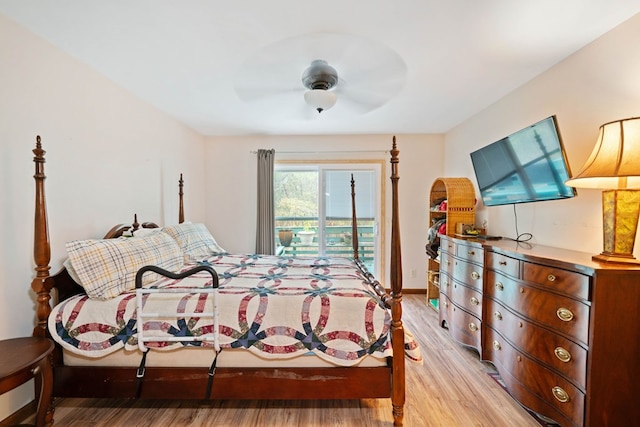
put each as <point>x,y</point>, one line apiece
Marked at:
<point>265,233</point>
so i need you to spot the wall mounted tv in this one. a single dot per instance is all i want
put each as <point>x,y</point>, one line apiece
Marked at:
<point>527,166</point>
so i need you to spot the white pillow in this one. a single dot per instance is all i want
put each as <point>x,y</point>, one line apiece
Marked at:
<point>106,268</point>
<point>141,232</point>
<point>195,240</point>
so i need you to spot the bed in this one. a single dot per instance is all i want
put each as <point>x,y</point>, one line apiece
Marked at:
<point>305,354</point>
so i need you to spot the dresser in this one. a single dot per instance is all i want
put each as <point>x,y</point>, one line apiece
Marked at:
<point>562,330</point>
<point>461,272</point>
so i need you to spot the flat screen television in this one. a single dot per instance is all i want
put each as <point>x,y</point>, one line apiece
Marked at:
<point>527,166</point>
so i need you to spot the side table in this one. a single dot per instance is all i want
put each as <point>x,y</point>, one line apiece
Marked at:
<point>22,359</point>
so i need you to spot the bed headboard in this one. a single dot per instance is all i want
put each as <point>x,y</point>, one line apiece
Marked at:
<point>119,230</point>
<point>181,196</point>
<point>43,283</point>
<point>354,220</point>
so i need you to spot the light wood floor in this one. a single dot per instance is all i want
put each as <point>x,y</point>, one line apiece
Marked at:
<point>451,388</point>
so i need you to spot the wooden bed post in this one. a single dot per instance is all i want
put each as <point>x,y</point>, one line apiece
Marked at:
<point>180,196</point>
<point>41,284</point>
<point>354,219</point>
<point>397,329</point>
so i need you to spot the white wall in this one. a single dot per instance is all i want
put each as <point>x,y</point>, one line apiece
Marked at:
<point>596,85</point>
<point>231,175</point>
<point>108,156</point>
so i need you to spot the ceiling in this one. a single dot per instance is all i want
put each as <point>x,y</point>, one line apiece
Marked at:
<point>235,68</point>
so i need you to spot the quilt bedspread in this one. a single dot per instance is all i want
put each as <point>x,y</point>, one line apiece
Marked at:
<point>276,307</point>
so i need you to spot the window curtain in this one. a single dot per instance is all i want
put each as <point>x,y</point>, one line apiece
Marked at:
<point>265,230</point>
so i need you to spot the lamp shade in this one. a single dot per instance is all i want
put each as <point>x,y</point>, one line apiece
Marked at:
<point>614,165</point>
<point>615,160</point>
<point>320,99</point>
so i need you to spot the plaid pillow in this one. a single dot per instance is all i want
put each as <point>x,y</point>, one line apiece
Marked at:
<point>106,268</point>
<point>195,240</point>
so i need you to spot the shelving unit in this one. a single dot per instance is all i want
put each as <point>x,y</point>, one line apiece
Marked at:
<point>461,201</point>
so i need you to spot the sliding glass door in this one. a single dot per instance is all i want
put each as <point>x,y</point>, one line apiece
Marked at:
<point>314,202</point>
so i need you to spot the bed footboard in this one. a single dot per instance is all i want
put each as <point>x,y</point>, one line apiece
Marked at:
<point>228,383</point>
<point>42,283</point>
<point>397,328</point>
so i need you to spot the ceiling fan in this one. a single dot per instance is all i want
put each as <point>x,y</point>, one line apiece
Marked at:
<point>299,74</point>
<point>320,78</point>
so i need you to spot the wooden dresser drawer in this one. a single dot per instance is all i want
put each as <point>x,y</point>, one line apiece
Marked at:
<point>504,264</point>
<point>468,298</point>
<point>464,327</point>
<point>470,253</point>
<point>556,391</point>
<point>540,343</point>
<point>468,273</point>
<point>445,283</point>
<point>446,263</point>
<point>447,245</point>
<point>562,314</point>
<point>563,281</point>
<point>444,309</point>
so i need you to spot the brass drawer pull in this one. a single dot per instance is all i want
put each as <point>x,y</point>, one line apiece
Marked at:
<point>496,345</point>
<point>475,275</point>
<point>551,278</point>
<point>473,326</point>
<point>560,394</point>
<point>564,314</point>
<point>474,301</point>
<point>471,253</point>
<point>562,354</point>
<point>497,315</point>
<point>499,286</point>
<point>502,262</point>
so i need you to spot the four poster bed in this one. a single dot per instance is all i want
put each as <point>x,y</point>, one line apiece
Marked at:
<point>268,327</point>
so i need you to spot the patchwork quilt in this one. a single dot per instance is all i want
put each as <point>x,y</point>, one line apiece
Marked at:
<point>276,307</point>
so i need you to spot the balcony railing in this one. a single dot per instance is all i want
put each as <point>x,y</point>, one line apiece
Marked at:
<point>337,237</point>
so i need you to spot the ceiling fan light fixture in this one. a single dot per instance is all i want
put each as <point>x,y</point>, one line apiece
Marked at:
<point>319,77</point>
<point>320,99</point>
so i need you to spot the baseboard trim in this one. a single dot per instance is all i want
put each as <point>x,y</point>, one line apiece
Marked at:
<point>414,291</point>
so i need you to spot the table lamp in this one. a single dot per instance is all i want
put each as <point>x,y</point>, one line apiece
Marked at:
<point>614,165</point>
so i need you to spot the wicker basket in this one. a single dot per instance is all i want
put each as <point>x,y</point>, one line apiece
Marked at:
<point>461,200</point>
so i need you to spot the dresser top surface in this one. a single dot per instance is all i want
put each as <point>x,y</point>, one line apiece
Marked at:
<point>526,251</point>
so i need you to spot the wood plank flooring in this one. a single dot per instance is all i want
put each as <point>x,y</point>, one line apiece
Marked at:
<point>450,389</point>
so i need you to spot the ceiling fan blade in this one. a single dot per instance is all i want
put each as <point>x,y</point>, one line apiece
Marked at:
<point>369,97</point>
<point>254,82</point>
<point>256,92</point>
